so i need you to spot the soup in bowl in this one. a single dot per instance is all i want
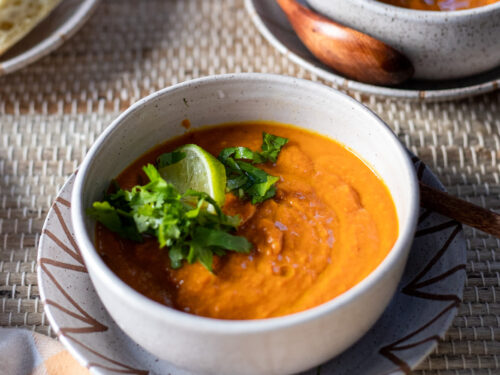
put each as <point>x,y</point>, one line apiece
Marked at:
<point>328,224</point>
<point>290,271</point>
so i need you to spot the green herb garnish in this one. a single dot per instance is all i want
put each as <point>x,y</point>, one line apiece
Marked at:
<point>179,221</point>
<point>271,146</point>
<point>169,158</point>
<point>243,178</point>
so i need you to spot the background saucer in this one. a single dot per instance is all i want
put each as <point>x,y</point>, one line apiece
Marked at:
<point>274,26</point>
<point>421,311</point>
<point>60,24</point>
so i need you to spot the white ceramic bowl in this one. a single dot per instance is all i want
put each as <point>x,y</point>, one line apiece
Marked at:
<point>441,44</point>
<point>270,346</point>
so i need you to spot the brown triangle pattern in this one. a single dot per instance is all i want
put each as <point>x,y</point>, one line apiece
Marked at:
<point>92,324</point>
<point>414,286</point>
<point>125,369</point>
<point>412,289</point>
<point>388,350</point>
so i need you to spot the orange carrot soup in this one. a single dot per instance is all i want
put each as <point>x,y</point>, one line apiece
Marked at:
<point>328,224</point>
<point>439,4</point>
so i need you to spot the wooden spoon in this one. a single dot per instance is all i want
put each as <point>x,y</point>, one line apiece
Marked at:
<point>348,51</point>
<point>460,210</point>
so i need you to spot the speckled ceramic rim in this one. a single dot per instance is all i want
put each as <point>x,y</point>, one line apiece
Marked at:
<point>346,84</point>
<point>58,37</point>
<point>203,324</point>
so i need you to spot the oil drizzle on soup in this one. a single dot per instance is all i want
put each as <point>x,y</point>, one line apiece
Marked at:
<point>330,224</point>
<point>439,4</point>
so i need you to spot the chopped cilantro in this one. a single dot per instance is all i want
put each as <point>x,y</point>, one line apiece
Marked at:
<point>179,221</point>
<point>115,220</point>
<point>169,158</point>
<point>271,146</point>
<point>243,178</point>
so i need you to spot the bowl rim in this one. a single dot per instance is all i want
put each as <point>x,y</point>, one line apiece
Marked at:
<point>410,14</point>
<point>212,325</point>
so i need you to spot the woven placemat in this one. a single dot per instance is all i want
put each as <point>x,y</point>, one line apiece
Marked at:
<point>52,111</point>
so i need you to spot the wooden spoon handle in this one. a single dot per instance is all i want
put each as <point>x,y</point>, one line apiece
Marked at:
<point>460,210</point>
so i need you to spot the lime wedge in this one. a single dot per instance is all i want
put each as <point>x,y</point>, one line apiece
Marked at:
<point>199,171</point>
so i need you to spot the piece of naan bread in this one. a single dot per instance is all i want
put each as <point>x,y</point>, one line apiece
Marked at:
<point>19,17</point>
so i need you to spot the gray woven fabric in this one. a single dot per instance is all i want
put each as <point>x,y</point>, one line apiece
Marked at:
<point>52,111</point>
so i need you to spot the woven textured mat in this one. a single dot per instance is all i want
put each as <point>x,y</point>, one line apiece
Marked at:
<point>52,111</point>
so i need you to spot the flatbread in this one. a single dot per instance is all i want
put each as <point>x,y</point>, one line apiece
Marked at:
<point>19,17</point>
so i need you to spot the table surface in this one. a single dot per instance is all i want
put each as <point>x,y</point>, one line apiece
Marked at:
<point>52,111</point>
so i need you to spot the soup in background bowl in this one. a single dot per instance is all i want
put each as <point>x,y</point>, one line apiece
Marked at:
<point>439,4</point>
<point>275,345</point>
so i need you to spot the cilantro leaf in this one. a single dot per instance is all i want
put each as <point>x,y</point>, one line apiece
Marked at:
<point>256,175</point>
<point>241,153</point>
<point>264,190</point>
<point>271,146</point>
<point>207,237</point>
<point>169,158</point>
<point>204,256</point>
<point>246,180</point>
<point>180,222</point>
<point>115,220</point>
<point>176,255</point>
<point>235,182</point>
